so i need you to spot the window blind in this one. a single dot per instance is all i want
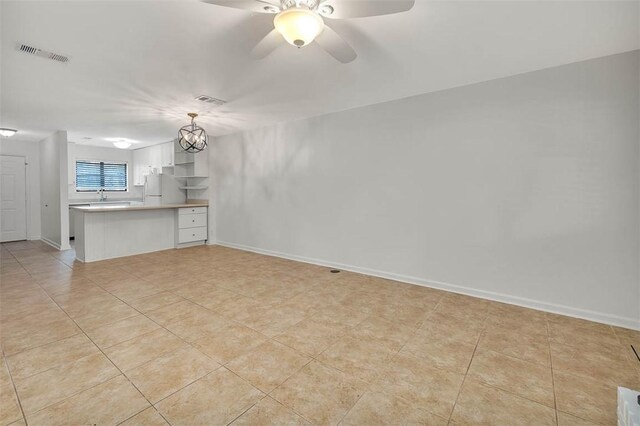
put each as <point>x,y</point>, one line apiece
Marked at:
<point>96,175</point>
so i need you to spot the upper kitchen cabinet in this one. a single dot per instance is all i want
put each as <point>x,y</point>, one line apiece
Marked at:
<point>167,154</point>
<point>141,165</point>
<point>151,159</point>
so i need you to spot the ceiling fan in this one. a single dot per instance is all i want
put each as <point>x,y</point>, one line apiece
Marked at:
<point>300,22</point>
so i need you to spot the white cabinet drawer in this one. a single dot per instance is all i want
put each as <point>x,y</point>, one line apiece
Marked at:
<point>192,220</point>
<point>192,210</point>
<point>192,234</point>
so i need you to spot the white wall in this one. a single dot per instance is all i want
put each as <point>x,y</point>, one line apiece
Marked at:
<point>31,152</point>
<point>53,190</point>
<point>86,152</point>
<point>524,189</point>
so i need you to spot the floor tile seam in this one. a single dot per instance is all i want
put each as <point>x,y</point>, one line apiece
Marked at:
<point>57,365</point>
<point>59,307</point>
<point>245,411</point>
<point>368,383</point>
<point>103,354</point>
<point>15,390</point>
<point>623,356</point>
<point>620,336</point>
<point>430,363</point>
<point>135,414</point>
<point>187,342</point>
<point>169,352</point>
<point>555,371</point>
<point>512,357</point>
<point>75,394</point>
<point>191,344</point>
<point>121,300</point>
<point>289,407</point>
<point>263,395</point>
<point>143,297</point>
<point>128,340</point>
<point>553,382</point>
<point>138,390</point>
<point>110,321</point>
<point>579,347</point>
<point>124,301</point>
<point>518,396</point>
<point>37,271</point>
<point>306,354</point>
<point>581,417</point>
<point>146,314</point>
<point>4,276</point>
<point>43,344</point>
<point>581,328</point>
<point>297,370</point>
<point>512,392</point>
<point>174,392</point>
<point>466,375</point>
<point>339,422</point>
<point>376,387</point>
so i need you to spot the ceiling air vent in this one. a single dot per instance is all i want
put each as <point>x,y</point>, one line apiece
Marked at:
<point>210,100</point>
<point>43,53</point>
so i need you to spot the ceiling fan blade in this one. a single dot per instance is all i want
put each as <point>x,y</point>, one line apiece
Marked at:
<point>267,45</point>
<point>344,9</point>
<point>335,46</point>
<point>260,6</point>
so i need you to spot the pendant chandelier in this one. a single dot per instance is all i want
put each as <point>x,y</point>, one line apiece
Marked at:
<point>192,138</point>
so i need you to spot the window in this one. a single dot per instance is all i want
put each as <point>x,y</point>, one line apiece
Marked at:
<point>95,175</point>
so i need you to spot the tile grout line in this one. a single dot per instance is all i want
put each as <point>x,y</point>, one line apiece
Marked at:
<point>313,357</point>
<point>179,337</point>
<point>553,379</point>
<point>455,402</point>
<point>15,389</point>
<point>100,349</point>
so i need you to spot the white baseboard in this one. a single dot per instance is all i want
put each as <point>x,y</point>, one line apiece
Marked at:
<point>49,242</point>
<point>489,295</point>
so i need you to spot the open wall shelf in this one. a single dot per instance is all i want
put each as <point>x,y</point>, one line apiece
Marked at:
<point>194,187</point>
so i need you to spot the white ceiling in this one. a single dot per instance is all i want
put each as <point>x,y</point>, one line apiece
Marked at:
<point>137,65</point>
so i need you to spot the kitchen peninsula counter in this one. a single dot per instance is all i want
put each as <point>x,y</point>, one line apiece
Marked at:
<point>114,207</point>
<point>107,231</point>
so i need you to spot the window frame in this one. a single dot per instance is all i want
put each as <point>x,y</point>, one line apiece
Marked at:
<point>102,163</point>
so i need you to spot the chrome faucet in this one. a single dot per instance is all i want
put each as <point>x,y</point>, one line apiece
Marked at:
<point>101,194</point>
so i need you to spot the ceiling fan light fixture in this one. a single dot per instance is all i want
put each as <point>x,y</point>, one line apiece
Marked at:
<point>298,26</point>
<point>326,9</point>
<point>7,133</point>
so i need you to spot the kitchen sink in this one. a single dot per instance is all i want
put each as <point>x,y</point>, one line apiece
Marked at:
<point>101,203</point>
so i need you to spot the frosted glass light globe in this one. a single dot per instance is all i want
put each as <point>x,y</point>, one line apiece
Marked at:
<point>298,26</point>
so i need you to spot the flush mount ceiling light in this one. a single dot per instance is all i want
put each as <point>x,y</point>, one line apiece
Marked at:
<point>122,144</point>
<point>7,133</point>
<point>301,22</point>
<point>192,138</point>
<point>298,26</point>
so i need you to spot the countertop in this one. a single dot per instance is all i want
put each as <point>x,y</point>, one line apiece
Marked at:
<point>113,207</point>
<point>77,202</point>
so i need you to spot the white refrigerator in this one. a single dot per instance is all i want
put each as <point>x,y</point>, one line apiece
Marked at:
<point>162,189</point>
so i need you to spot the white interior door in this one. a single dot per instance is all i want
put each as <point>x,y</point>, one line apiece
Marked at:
<point>13,208</point>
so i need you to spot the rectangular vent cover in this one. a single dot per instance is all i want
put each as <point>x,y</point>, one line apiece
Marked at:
<point>210,100</point>
<point>43,53</point>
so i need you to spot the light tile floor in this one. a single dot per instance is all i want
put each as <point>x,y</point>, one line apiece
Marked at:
<point>211,335</point>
